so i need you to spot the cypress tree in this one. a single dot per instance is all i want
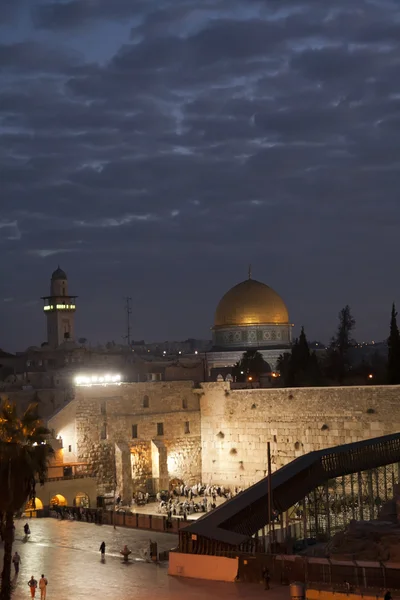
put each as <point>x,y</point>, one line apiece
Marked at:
<point>300,368</point>
<point>393,366</point>
<point>338,363</point>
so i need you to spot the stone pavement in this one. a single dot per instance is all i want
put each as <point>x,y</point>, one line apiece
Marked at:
<point>67,552</point>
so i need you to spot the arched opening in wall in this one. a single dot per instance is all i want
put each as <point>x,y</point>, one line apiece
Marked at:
<point>146,401</point>
<point>175,483</point>
<point>32,506</point>
<point>58,500</point>
<point>82,499</point>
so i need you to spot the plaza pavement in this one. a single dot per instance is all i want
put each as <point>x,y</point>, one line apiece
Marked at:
<point>67,552</point>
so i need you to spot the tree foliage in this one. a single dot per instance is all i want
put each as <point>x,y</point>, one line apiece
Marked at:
<point>337,363</point>
<point>300,367</point>
<point>250,367</point>
<point>24,456</point>
<point>393,364</point>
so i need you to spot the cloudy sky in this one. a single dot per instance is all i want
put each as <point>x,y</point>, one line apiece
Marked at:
<point>154,148</point>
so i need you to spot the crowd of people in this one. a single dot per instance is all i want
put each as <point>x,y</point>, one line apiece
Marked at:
<point>182,499</point>
<point>78,513</point>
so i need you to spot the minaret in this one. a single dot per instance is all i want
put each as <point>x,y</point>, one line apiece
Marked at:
<point>59,309</point>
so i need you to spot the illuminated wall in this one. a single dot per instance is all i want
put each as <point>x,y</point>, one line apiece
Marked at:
<point>237,424</point>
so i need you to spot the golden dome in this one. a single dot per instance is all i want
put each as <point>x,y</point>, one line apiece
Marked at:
<point>251,303</point>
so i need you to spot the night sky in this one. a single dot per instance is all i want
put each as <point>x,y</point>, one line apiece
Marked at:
<point>156,148</point>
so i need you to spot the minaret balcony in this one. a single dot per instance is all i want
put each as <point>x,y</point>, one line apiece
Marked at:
<point>61,307</point>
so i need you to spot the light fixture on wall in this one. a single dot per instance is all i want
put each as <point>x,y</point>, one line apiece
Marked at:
<point>89,380</point>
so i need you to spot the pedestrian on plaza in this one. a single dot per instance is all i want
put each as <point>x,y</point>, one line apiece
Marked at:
<point>33,585</point>
<point>16,562</point>
<point>125,553</point>
<point>43,587</point>
<point>266,578</point>
<point>103,551</point>
<point>387,596</point>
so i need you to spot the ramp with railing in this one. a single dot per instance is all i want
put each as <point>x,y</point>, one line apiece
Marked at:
<point>231,526</point>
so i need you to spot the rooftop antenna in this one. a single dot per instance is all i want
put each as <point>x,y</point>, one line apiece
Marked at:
<point>249,271</point>
<point>128,310</point>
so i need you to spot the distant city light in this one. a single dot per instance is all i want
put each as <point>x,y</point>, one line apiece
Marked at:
<point>250,378</point>
<point>89,380</point>
<point>165,352</point>
<point>275,374</point>
<point>195,352</point>
<point>370,376</point>
<point>180,352</point>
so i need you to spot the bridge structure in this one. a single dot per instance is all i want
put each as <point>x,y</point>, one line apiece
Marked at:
<point>319,493</point>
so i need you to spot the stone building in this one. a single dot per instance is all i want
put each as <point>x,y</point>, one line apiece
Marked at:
<point>134,436</point>
<point>250,315</point>
<point>148,436</point>
<point>68,483</point>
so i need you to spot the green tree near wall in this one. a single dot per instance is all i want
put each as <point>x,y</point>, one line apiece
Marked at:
<point>337,364</point>
<point>24,456</point>
<point>393,364</point>
<point>299,368</point>
<point>250,367</point>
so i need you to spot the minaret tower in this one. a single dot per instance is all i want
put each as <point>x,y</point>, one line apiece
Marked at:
<point>59,309</point>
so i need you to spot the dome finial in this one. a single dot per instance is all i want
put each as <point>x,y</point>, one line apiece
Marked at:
<point>250,271</point>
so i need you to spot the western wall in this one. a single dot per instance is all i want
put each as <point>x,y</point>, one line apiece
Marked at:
<point>146,435</point>
<point>237,424</point>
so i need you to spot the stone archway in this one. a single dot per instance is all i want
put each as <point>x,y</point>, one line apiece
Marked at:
<point>58,500</point>
<point>32,506</point>
<point>82,499</point>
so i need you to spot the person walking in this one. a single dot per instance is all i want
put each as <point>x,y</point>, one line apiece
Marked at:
<point>266,578</point>
<point>103,551</point>
<point>33,585</point>
<point>43,587</point>
<point>16,562</point>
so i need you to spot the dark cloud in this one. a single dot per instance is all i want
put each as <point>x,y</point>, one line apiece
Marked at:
<point>218,133</point>
<point>27,57</point>
<point>77,14</point>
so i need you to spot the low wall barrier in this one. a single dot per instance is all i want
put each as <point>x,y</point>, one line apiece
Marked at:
<point>118,519</point>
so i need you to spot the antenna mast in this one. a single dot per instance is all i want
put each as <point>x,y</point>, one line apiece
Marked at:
<point>128,310</point>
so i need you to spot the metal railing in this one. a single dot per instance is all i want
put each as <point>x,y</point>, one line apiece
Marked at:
<point>322,573</point>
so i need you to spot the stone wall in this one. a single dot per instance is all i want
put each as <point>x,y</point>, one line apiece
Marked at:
<point>237,424</point>
<point>63,425</point>
<point>115,427</point>
<point>49,400</point>
<point>142,436</point>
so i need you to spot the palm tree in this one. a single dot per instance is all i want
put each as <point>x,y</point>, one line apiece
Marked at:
<point>24,456</point>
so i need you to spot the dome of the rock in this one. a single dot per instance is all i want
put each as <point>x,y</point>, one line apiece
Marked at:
<point>250,303</point>
<point>251,315</point>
